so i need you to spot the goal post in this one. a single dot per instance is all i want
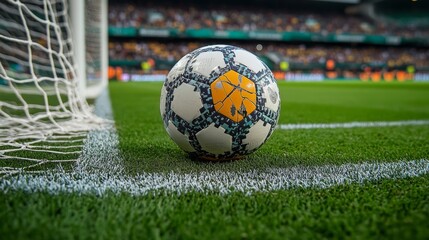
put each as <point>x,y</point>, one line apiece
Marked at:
<point>53,54</point>
<point>89,28</point>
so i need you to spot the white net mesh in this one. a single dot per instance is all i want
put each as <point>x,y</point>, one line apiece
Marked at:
<point>43,116</point>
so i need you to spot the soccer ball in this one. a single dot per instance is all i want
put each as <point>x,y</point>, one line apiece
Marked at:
<point>220,102</point>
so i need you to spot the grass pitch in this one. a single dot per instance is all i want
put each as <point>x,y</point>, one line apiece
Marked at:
<point>389,208</point>
<point>146,146</point>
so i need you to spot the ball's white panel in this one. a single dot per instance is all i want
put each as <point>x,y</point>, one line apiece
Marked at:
<point>206,62</point>
<point>257,135</point>
<point>181,140</point>
<point>213,46</point>
<point>272,95</point>
<point>186,102</point>
<point>178,68</point>
<point>248,59</point>
<point>214,140</point>
<point>162,101</point>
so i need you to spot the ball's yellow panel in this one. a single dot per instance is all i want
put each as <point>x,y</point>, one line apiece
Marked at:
<point>234,95</point>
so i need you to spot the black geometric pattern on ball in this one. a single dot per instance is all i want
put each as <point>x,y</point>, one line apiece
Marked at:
<point>208,115</point>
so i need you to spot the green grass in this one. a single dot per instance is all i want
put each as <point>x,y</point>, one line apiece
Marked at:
<point>386,209</point>
<point>345,102</point>
<point>389,209</point>
<point>146,146</point>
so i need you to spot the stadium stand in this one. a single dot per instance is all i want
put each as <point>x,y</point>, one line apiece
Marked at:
<point>253,19</point>
<point>172,52</point>
<point>151,38</point>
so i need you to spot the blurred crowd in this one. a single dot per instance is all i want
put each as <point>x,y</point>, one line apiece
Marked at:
<point>389,56</point>
<point>144,50</point>
<point>300,54</point>
<point>252,19</point>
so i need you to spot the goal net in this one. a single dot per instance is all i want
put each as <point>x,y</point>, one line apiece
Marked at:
<point>45,74</point>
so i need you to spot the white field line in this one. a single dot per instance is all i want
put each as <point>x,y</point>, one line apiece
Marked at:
<point>217,181</point>
<point>100,171</point>
<point>352,124</point>
<point>101,152</point>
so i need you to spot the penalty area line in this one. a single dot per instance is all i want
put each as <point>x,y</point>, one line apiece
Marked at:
<point>352,124</point>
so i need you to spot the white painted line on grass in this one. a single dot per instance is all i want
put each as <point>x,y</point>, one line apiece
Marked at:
<point>101,149</point>
<point>217,181</point>
<point>352,124</point>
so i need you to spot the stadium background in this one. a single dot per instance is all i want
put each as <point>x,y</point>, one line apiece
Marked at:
<point>298,40</point>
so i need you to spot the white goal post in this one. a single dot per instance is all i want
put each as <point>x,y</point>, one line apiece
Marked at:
<point>53,55</point>
<point>89,29</point>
